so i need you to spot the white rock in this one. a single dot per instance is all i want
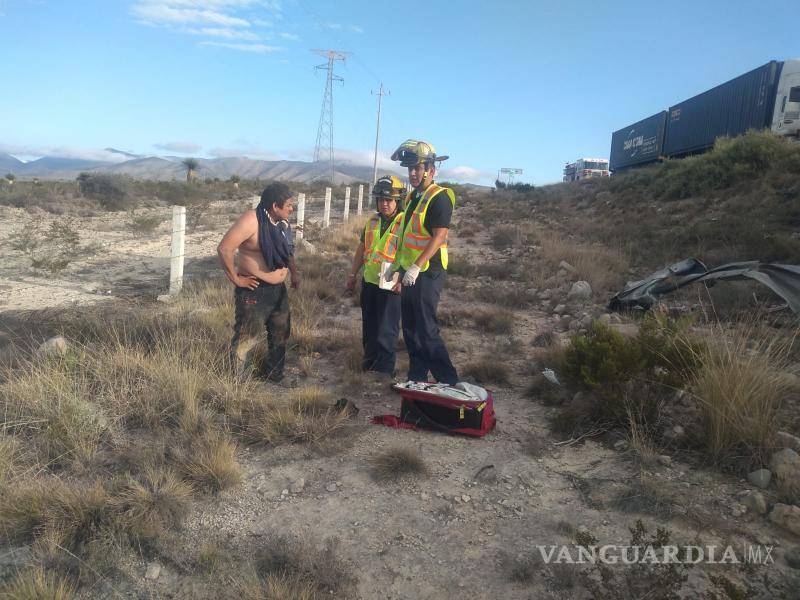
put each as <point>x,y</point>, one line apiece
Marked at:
<point>786,516</point>
<point>787,440</point>
<point>55,346</point>
<point>331,487</point>
<point>755,502</point>
<point>297,486</point>
<point>466,497</point>
<point>153,571</point>
<point>567,267</point>
<point>783,459</point>
<point>580,290</point>
<point>760,478</point>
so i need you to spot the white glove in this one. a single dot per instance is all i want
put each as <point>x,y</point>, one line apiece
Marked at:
<point>410,278</point>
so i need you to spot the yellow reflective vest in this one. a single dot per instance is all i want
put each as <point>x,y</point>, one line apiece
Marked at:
<point>415,236</point>
<point>379,248</point>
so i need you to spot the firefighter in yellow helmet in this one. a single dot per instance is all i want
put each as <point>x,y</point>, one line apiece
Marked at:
<point>380,308</point>
<point>422,259</point>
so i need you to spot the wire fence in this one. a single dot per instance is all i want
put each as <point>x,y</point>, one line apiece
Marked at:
<point>188,246</point>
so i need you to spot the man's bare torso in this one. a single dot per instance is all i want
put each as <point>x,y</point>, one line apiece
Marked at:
<point>250,261</point>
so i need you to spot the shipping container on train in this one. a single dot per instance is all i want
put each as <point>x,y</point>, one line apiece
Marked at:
<point>727,110</point>
<point>639,143</point>
<point>765,98</point>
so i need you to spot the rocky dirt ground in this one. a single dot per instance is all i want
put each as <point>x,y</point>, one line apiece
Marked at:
<point>471,526</point>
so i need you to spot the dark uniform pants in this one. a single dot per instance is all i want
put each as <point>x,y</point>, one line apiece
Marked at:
<point>262,315</point>
<point>380,327</point>
<point>426,349</point>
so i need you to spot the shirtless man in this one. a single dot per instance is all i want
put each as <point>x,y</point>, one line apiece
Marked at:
<point>262,302</point>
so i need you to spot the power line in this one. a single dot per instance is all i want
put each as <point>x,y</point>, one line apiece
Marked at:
<point>325,129</point>
<point>380,96</point>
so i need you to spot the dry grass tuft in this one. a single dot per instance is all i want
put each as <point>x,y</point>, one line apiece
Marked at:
<point>284,421</point>
<point>67,513</point>
<point>495,320</point>
<point>395,463</point>
<point>741,386</point>
<point>209,461</point>
<point>603,267</point>
<point>487,369</point>
<point>36,584</point>
<point>150,507</point>
<point>294,568</point>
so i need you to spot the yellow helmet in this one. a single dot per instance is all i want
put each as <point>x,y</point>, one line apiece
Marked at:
<point>391,187</point>
<point>413,152</point>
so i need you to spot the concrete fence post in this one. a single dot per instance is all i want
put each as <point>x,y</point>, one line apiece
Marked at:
<point>346,203</point>
<point>301,215</point>
<point>326,217</point>
<point>177,249</point>
<point>360,199</point>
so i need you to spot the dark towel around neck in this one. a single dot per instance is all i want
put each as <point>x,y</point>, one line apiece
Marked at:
<point>274,246</point>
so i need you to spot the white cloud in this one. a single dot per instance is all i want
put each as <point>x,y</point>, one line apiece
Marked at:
<point>256,48</point>
<point>289,36</point>
<point>170,13</point>
<point>464,173</point>
<point>365,158</point>
<point>182,147</point>
<point>224,32</point>
<point>343,27</point>
<point>62,152</point>
<point>243,148</point>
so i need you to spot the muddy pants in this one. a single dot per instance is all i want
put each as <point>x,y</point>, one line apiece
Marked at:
<point>262,315</point>
<point>426,349</point>
<point>380,327</point>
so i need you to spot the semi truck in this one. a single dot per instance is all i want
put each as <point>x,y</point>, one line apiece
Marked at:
<point>584,168</point>
<point>765,98</point>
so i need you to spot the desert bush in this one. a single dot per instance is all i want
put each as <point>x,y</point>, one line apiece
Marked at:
<point>50,249</point>
<point>111,191</point>
<point>293,562</point>
<point>489,368</point>
<point>395,463</point>
<point>625,373</point>
<point>641,579</point>
<point>460,266</point>
<point>495,320</point>
<point>144,224</point>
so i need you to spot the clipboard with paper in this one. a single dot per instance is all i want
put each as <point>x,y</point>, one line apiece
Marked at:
<point>388,277</point>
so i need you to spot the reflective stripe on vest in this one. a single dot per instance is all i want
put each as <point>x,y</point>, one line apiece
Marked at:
<point>415,236</point>
<point>379,248</point>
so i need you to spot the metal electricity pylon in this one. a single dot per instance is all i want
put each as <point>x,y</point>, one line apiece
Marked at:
<point>325,130</point>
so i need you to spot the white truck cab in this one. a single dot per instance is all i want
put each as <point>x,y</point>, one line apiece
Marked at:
<point>786,116</point>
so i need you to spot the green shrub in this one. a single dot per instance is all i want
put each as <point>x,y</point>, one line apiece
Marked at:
<point>603,360</point>
<point>627,373</point>
<point>144,224</point>
<point>111,191</point>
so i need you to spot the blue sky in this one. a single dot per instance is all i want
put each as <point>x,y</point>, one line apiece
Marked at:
<point>508,84</point>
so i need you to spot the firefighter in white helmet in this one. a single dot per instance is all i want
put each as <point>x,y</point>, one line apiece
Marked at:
<point>422,259</point>
<point>380,308</point>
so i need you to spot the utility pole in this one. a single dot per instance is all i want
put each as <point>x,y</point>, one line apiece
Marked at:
<point>325,129</point>
<point>380,96</point>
